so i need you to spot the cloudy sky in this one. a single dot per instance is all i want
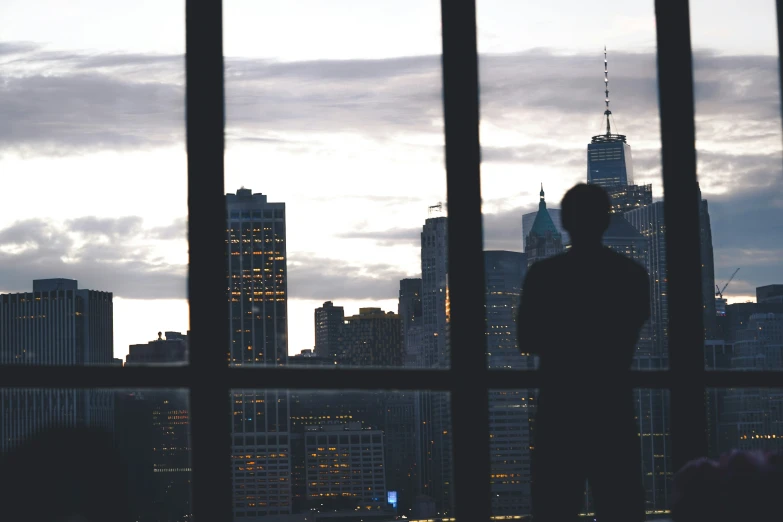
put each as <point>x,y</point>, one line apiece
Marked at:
<point>335,109</point>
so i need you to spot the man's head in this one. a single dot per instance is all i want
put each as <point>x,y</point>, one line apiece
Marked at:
<point>585,213</point>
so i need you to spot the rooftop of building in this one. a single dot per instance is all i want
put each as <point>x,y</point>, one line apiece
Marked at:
<point>543,222</point>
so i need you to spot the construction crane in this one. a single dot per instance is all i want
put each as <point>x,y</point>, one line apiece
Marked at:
<point>720,291</point>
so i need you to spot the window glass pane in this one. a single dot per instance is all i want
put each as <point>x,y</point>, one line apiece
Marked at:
<point>738,142</point>
<point>334,131</point>
<point>93,245</point>
<point>546,126</point>
<point>588,439</point>
<point>342,454</point>
<point>126,453</point>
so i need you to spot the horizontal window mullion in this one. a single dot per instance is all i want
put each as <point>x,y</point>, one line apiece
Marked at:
<point>344,379</point>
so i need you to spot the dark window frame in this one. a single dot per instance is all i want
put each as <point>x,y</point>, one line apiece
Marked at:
<point>208,377</point>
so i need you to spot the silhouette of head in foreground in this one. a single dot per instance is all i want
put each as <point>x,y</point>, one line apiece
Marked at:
<point>64,474</point>
<point>585,214</point>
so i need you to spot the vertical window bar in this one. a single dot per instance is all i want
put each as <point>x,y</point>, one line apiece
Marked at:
<point>469,400</point>
<point>779,5</point>
<point>209,394</point>
<point>678,136</point>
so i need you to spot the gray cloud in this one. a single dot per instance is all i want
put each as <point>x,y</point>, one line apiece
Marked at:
<point>177,229</point>
<point>314,277</point>
<point>72,102</point>
<point>63,102</point>
<point>394,236</point>
<point>103,254</point>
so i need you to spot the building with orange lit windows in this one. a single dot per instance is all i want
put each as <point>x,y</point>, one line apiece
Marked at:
<point>345,468</point>
<point>257,297</point>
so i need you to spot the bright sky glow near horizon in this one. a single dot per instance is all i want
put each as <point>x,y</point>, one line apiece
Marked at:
<point>334,108</point>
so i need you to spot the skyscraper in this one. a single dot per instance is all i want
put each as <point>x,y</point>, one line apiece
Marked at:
<point>372,338</point>
<point>328,330</point>
<point>409,310</point>
<point>346,468</point>
<point>57,324</point>
<point>608,155</point>
<point>707,271</point>
<point>433,410</point>
<point>434,270</point>
<point>750,418</point>
<point>509,410</point>
<point>530,218</point>
<point>404,446</point>
<point>153,431</point>
<point>628,197</point>
<point>258,306</point>
<point>544,239</point>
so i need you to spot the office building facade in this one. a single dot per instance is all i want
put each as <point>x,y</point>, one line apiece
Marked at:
<point>258,306</point>
<point>509,410</point>
<point>372,338</point>
<point>433,410</point>
<point>410,312</point>
<point>153,430</point>
<point>628,197</point>
<point>345,468</point>
<point>328,330</point>
<point>57,324</point>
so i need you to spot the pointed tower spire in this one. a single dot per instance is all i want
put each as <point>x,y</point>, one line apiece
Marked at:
<point>607,112</point>
<point>541,201</point>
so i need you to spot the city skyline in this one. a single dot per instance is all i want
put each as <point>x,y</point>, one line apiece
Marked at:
<point>359,164</point>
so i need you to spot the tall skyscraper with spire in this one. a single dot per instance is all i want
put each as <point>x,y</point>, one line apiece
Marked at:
<point>544,239</point>
<point>609,163</point>
<point>608,155</point>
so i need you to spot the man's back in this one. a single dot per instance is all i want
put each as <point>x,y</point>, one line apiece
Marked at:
<point>582,311</point>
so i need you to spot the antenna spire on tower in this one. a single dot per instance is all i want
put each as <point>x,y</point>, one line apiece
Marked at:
<point>607,112</point>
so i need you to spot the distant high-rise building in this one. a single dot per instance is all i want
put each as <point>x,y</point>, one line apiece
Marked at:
<point>544,239</point>
<point>769,294</point>
<point>57,324</point>
<point>410,312</point>
<point>153,431</point>
<point>554,214</point>
<point>372,338</point>
<point>399,427</point>
<point>172,349</point>
<point>433,410</point>
<point>751,418</point>
<point>328,330</point>
<point>345,469</point>
<point>624,239</point>
<point>707,271</point>
<point>258,308</point>
<point>509,410</point>
<point>434,270</point>
<point>608,155</point>
<point>649,222</point>
<point>404,448</point>
<point>628,197</point>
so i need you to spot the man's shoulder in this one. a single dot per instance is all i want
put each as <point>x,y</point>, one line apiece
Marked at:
<point>547,266</point>
<point>623,263</point>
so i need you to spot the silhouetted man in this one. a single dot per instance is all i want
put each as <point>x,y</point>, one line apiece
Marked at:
<point>581,312</point>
